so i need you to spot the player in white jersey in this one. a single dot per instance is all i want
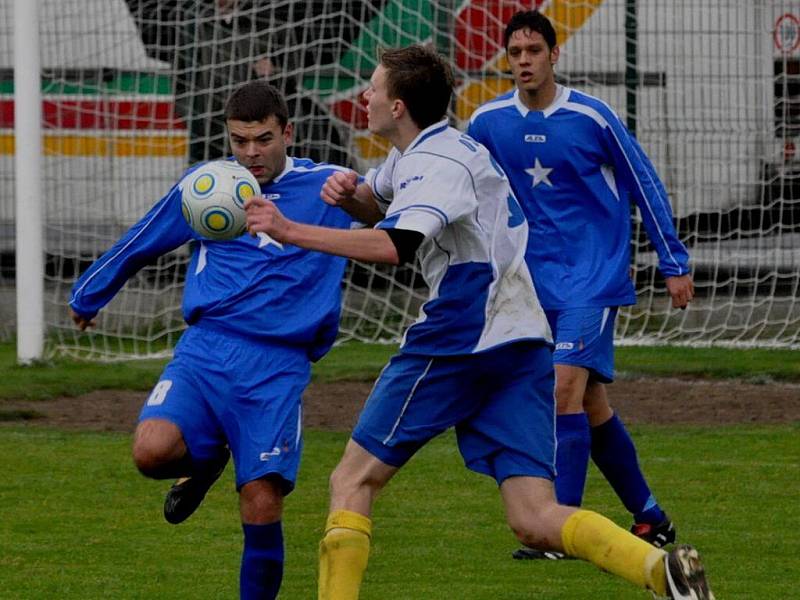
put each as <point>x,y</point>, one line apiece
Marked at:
<point>575,169</point>
<point>479,356</point>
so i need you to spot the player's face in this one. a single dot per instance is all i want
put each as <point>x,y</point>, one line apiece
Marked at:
<point>260,146</point>
<point>531,60</point>
<point>379,105</point>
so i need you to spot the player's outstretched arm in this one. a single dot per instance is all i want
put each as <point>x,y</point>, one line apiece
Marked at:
<point>343,190</point>
<point>368,245</point>
<point>681,290</point>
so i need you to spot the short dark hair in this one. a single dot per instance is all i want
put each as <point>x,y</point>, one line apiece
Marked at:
<point>421,79</point>
<point>533,20</point>
<point>257,101</point>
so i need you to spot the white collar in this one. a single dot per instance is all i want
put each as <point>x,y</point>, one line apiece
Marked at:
<point>560,99</point>
<point>427,132</point>
<point>286,168</point>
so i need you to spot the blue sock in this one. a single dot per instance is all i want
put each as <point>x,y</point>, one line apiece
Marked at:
<point>615,455</point>
<point>572,457</point>
<point>262,562</point>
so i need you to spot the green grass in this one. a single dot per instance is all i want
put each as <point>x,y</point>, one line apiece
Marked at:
<point>756,364</point>
<point>60,377</point>
<point>79,522</point>
<point>49,379</point>
<point>362,362</point>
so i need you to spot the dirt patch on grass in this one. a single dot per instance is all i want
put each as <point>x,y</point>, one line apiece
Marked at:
<point>335,406</point>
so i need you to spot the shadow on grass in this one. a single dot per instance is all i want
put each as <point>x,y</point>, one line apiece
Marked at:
<point>7,416</point>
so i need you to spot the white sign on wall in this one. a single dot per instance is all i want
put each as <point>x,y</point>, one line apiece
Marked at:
<point>787,33</point>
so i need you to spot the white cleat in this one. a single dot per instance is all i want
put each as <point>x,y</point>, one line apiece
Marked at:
<point>686,577</point>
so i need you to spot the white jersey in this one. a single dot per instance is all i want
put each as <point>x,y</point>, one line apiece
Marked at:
<point>447,187</point>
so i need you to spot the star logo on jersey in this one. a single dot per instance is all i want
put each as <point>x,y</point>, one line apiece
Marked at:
<point>539,173</point>
<point>266,240</point>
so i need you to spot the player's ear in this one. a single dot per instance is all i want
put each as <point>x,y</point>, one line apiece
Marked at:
<point>555,52</point>
<point>398,108</point>
<point>288,131</point>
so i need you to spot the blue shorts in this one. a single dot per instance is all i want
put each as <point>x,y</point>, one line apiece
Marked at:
<point>584,337</point>
<point>500,401</point>
<point>224,389</point>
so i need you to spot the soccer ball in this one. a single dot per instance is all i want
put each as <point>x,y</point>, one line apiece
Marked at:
<point>213,197</point>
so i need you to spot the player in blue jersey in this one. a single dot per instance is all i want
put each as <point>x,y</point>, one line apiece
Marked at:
<point>479,356</point>
<point>258,313</point>
<point>575,169</point>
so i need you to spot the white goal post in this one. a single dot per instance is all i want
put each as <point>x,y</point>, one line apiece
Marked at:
<point>132,90</point>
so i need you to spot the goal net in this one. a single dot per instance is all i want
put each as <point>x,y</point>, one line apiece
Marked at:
<point>133,92</point>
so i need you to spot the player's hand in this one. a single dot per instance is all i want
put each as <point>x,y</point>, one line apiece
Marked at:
<point>681,290</point>
<point>226,6</point>
<point>263,67</point>
<point>339,188</point>
<point>80,321</point>
<point>263,216</point>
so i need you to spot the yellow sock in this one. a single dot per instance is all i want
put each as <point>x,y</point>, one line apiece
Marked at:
<point>343,554</point>
<point>592,537</point>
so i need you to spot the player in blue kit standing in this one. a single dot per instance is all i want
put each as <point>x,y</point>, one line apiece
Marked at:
<point>478,358</point>
<point>575,169</point>
<point>258,313</point>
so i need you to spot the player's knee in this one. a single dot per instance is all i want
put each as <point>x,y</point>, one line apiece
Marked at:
<point>529,534</point>
<point>261,501</point>
<point>339,481</point>
<point>533,529</point>
<point>156,447</point>
<point>150,461</point>
<point>346,482</point>
<point>569,397</point>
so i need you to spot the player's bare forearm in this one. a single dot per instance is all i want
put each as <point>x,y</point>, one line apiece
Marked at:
<point>363,207</point>
<point>681,290</point>
<point>368,245</point>
<point>343,190</point>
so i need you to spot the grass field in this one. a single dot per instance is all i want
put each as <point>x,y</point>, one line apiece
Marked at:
<point>77,521</point>
<point>362,362</point>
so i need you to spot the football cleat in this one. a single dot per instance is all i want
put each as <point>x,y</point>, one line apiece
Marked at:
<point>686,577</point>
<point>526,553</point>
<point>659,535</point>
<point>187,493</point>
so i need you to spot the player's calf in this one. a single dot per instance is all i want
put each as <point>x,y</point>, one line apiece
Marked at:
<point>186,494</point>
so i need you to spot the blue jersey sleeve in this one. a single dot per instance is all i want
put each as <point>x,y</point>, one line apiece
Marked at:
<point>638,176</point>
<point>474,131</point>
<point>161,230</point>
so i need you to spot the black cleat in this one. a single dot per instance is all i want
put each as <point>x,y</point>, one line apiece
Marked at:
<point>659,535</point>
<point>526,553</point>
<point>187,493</point>
<point>686,577</point>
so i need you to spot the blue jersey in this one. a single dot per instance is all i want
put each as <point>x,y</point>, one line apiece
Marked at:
<point>575,169</point>
<point>254,287</point>
<point>446,187</point>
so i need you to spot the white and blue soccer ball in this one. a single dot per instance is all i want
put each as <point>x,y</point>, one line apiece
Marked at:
<point>213,198</point>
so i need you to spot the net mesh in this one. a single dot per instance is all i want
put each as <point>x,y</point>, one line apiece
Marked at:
<point>134,89</point>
